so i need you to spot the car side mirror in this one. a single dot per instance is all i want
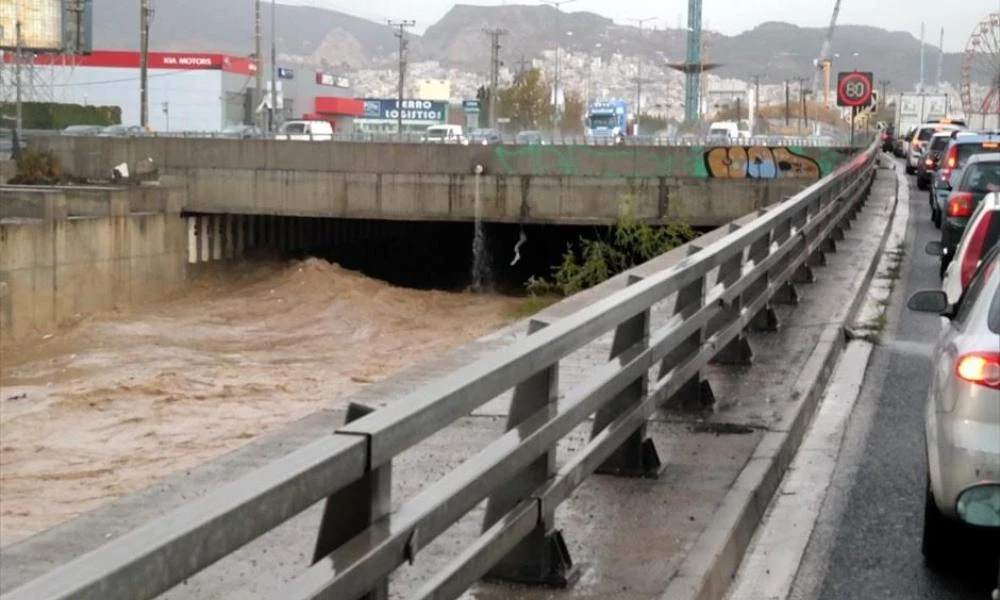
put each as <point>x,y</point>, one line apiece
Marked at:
<point>929,301</point>
<point>934,249</point>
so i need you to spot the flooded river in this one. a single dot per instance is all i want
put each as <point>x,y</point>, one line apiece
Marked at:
<point>105,407</point>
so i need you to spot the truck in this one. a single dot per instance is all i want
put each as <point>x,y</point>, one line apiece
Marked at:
<point>912,109</point>
<point>608,119</point>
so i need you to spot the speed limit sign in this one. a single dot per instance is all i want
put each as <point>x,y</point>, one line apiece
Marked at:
<point>854,88</point>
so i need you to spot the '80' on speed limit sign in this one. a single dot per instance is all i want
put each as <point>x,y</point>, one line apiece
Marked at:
<point>854,88</point>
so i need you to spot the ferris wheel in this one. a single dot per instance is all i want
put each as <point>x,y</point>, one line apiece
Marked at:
<point>981,68</point>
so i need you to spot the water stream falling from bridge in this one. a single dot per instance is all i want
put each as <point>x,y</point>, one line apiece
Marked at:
<point>481,280</point>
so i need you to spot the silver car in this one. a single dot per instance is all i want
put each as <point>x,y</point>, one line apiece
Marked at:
<point>962,413</point>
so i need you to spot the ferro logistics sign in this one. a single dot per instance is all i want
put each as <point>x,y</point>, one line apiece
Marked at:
<point>430,111</point>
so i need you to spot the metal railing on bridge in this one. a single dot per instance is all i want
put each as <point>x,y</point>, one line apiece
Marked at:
<point>721,285</point>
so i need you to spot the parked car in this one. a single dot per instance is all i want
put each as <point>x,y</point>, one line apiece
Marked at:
<point>81,130</point>
<point>304,130</point>
<point>445,134</point>
<point>981,235</point>
<point>980,177</point>
<point>242,132</point>
<point>918,143</point>
<point>928,164</point>
<point>122,131</point>
<point>485,137</point>
<point>962,414</point>
<point>962,147</point>
<point>529,138</point>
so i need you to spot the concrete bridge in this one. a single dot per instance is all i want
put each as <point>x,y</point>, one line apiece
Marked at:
<point>701,186</point>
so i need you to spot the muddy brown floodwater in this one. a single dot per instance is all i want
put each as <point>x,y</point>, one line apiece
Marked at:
<point>105,407</point>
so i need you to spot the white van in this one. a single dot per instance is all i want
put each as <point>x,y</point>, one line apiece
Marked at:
<point>725,131</point>
<point>445,134</point>
<point>321,131</point>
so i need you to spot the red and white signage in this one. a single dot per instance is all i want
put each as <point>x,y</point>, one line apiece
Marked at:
<point>157,60</point>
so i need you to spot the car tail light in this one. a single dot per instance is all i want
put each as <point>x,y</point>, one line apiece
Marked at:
<point>950,163</point>
<point>961,204</point>
<point>981,368</point>
<point>928,162</point>
<point>977,245</point>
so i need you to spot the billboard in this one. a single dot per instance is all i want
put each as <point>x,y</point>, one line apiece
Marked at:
<point>47,25</point>
<point>428,111</point>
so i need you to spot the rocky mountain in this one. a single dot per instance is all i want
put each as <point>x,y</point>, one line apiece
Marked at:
<point>775,51</point>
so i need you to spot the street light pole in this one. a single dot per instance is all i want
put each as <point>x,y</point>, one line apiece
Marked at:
<point>638,77</point>
<point>274,70</point>
<point>555,98</point>
<point>258,95</point>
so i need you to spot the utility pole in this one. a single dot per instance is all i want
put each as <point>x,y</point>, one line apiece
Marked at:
<point>756,98</point>
<point>403,43</point>
<point>885,84</point>
<point>521,64</point>
<point>18,42</point>
<point>802,98</point>
<point>638,76</point>
<point>258,95</point>
<point>788,100</point>
<point>274,70</point>
<point>145,16</point>
<point>495,35</point>
<point>559,34</point>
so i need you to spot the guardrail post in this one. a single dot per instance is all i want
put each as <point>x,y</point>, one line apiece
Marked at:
<point>542,558</point>
<point>766,318</point>
<point>738,350</point>
<point>637,456</point>
<point>354,508</point>
<point>696,393</point>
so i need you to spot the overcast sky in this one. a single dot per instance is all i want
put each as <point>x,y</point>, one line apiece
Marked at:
<point>727,16</point>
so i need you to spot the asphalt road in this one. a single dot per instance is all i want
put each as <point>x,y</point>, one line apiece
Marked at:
<point>866,542</point>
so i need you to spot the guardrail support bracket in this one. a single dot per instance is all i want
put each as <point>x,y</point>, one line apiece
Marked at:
<point>803,274</point>
<point>787,294</point>
<point>542,558</point>
<point>737,352</point>
<point>816,259</point>
<point>695,395</point>
<point>765,320</point>
<point>828,245</point>
<point>637,456</point>
<point>354,508</point>
<point>837,234</point>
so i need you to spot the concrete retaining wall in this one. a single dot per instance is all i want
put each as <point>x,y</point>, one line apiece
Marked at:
<point>67,252</point>
<point>704,187</point>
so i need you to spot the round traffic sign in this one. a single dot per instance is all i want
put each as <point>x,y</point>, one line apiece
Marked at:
<point>854,89</point>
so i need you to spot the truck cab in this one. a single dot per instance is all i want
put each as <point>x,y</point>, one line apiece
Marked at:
<point>608,120</point>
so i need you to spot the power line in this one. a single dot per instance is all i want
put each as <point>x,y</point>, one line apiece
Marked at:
<point>403,43</point>
<point>495,35</point>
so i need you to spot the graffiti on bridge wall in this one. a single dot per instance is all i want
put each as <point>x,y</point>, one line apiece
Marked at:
<point>759,162</point>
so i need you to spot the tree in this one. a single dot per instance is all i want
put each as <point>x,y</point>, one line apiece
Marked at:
<point>574,110</point>
<point>483,95</point>
<point>527,102</point>
<point>649,124</point>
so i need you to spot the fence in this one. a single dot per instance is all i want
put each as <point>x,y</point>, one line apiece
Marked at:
<point>721,285</point>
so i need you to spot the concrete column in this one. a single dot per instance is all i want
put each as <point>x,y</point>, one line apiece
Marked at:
<point>203,238</point>
<point>217,237</point>
<point>240,236</point>
<point>192,229</point>
<point>251,225</point>
<point>227,237</point>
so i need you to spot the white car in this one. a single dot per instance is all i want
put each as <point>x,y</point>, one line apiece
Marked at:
<point>981,234</point>
<point>310,131</point>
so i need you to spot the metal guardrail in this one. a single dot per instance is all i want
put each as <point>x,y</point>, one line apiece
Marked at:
<point>721,286</point>
<point>548,139</point>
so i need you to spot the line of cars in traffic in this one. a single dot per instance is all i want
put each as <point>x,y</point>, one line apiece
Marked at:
<point>960,171</point>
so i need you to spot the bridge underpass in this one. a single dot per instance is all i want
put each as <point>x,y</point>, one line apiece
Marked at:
<point>631,538</point>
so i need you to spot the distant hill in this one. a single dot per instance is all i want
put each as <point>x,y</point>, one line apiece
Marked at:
<point>775,51</point>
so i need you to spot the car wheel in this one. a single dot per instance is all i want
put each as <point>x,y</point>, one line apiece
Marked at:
<point>922,185</point>
<point>937,542</point>
<point>936,218</point>
<point>942,269</point>
<point>910,170</point>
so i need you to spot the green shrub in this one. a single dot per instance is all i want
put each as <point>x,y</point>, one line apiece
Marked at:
<point>38,167</point>
<point>56,115</point>
<point>628,244</point>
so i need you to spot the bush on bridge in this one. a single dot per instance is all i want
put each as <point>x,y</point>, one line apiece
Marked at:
<point>627,244</point>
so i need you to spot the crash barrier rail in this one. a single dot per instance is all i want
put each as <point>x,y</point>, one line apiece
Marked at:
<point>508,140</point>
<point>722,285</point>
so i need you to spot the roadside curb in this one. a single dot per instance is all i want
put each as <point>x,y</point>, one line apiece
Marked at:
<point>709,567</point>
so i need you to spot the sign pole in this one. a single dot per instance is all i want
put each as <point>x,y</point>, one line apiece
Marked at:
<point>854,113</point>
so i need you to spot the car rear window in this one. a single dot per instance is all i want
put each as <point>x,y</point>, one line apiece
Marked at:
<point>965,151</point>
<point>993,319</point>
<point>940,143</point>
<point>981,178</point>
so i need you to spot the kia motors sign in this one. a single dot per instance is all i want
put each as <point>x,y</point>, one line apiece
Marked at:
<point>854,88</point>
